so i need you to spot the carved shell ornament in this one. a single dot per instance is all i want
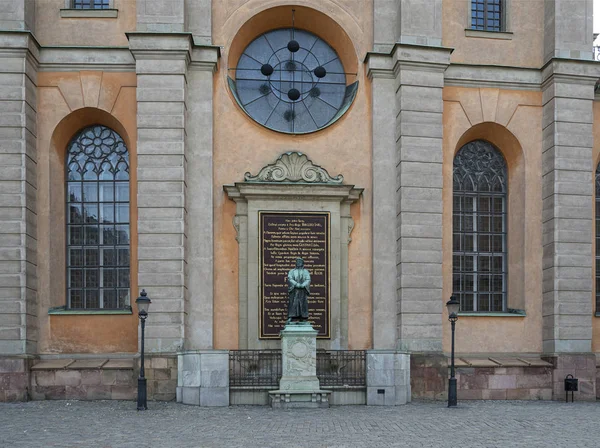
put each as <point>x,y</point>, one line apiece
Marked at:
<point>294,167</point>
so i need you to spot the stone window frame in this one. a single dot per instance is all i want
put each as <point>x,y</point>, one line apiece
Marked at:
<point>505,32</point>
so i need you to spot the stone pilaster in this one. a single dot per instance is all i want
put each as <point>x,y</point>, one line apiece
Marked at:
<point>161,65</point>
<point>160,16</point>
<point>199,204</point>
<point>568,29</point>
<point>419,81</point>
<point>17,15</point>
<point>567,192</point>
<point>381,74</point>
<point>18,193</point>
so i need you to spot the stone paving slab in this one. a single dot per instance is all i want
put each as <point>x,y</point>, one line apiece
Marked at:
<point>472,424</point>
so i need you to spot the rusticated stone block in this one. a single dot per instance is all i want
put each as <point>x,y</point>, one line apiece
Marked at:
<point>466,394</point>
<point>109,377</point>
<point>122,393</point>
<point>49,393</point>
<point>44,378</point>
<point>493,394</point>
<point>8,365</point>
<point>166,387</point>
<point>162,374</point>
<point>75,392</point>
<point>67,377</point>
<point>159,363</point>
<point>99,392</point>
<point>502,381</point>
<point>91,377</point>
<point>472,381</point>
<point>124,378</point>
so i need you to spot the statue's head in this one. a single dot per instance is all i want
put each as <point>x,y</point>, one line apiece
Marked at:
<point>299,263</point>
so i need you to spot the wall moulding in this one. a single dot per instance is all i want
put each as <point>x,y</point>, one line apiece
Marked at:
<point>291,184</point>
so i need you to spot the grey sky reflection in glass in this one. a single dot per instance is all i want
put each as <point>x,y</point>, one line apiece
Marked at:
<point>291,81</point>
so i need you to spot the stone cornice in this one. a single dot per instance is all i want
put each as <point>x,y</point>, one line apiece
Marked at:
<point>494,76</point>
<point>571,71</point>
<point>241,191</point>
<point>412,56</point>
<point>72,58</point>
<point>174,46</point>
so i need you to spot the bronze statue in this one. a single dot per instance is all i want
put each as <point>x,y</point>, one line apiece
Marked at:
<point>299,290</point>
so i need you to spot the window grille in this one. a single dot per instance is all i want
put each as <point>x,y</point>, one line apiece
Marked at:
<point>91,4</point>
<point>98,254</point>
<point>598,239</point>
<point>487,15</point>
<point>479,260</point>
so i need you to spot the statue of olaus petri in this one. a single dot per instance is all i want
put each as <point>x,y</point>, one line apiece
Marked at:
<point>298,290</point>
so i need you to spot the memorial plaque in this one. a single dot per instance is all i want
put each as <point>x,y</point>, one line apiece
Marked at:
<point>283,238</point>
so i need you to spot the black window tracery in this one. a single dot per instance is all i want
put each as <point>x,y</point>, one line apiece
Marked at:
<point>98,236</point>
<point>479,228</point>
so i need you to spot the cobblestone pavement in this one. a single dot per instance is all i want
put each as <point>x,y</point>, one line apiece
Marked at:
<point>472,424</point>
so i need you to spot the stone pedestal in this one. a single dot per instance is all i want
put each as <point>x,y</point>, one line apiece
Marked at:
<point>299,385</point>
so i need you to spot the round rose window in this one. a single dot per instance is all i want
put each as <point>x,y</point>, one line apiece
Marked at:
<point>292,81</point>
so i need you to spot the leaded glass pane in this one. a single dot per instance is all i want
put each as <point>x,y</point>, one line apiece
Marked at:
<point>479,228</point>
<point>486,15</point>
<point>91,4</point>
<point>97,198</point>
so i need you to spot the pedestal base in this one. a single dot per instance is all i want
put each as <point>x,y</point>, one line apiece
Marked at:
<point>286,399</point>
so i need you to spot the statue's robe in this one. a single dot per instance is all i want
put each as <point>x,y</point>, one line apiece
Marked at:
<point>298,290</point>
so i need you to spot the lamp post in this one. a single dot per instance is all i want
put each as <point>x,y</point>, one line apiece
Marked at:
<point>452,306</point>
<point>143,303</point>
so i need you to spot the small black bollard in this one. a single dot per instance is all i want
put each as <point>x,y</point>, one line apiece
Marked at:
<point>571,385</point>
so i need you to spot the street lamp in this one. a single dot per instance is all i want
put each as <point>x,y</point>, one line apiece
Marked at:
<point>452,306</point>
<point>143,303</point>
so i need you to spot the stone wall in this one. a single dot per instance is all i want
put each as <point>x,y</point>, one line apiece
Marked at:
<point>161,375</point>
<point>14,378</point>
<point>504,383</point>
<point>429,376</point>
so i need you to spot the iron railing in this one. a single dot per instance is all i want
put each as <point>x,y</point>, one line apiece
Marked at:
<point>341,368</point>
<point>261,369</point>
<point>255,368</point>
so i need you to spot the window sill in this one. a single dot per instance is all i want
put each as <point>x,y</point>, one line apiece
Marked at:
<point>516,313</point>
<point>61,310</point>
<point>89,13</point>
<point>501,35</point>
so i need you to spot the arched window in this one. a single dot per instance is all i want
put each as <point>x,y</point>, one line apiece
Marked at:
<point>97,166</point>
<point>479,228</point>
<point>598,238</point>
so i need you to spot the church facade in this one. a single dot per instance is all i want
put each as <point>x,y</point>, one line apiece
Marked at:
<point>408,151</point>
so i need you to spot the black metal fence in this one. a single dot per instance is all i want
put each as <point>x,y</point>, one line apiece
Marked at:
<point>261,369</point>
<point>341,368</point>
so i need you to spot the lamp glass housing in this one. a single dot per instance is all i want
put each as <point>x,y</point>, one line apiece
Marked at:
<point>453,305</point>
<point>143,304</point>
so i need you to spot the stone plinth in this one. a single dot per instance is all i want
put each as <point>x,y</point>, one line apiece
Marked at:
<point>299,385</point>
<point>203,377</point>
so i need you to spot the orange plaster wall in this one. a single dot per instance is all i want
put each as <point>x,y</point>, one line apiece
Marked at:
<point>52,29</point>
<point>596,160</point>
<point>511,120</point>
<point>66,103</point>
<point>524,49</point>
<point>241,145</point>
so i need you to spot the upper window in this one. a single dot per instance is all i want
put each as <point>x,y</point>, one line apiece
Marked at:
<point>97,220</point>
<point>291,81</point>
<point>487,15</point>
<point>479,262</point>
<point>91,4</point>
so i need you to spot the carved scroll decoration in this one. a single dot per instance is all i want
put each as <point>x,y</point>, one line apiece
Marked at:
<point>294,167</point>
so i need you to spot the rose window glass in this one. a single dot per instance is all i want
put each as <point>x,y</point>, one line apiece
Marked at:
<point>292,81</point>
